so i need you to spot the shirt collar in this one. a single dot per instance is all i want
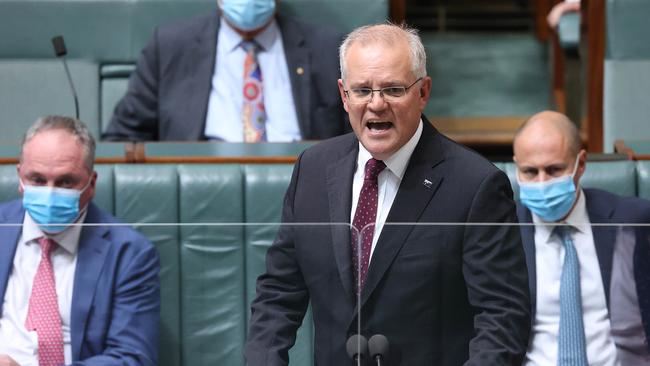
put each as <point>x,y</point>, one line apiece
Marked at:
<point>397,162</point>
<point>68,239</point>
<point>578,219</point>
<point>231,40</point>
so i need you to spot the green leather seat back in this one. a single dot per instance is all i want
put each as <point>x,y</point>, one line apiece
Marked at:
<point>265,188</point>
<point>212,264</point>
<point>8,183</point>
<point>149,194</point>
<point>33,88</point>
<point>626,113</point>
<point>643,178</point>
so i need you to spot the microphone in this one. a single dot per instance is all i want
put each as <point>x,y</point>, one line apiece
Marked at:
<point>378,348</point>
<point>61,51</point>
<point>357,347</point>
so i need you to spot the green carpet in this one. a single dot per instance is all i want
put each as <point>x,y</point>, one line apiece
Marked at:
<point>486,75</point>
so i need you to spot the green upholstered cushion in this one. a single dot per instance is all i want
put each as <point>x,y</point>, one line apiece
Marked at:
<point>33,88</point>
<point>149,194</point>
<point>643,178</point>
<point>627,28</point>
<point>626,111</point>
<point>265,186</point>
<point>8,183</point>
<point>212,264</point>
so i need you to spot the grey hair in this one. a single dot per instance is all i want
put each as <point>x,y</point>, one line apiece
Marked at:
<point>388,34</point>
<point>77,128</point>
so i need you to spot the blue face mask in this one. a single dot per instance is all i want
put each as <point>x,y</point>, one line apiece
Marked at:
<point>53,209</point>
<point>248,15</point>
<point>550,200</point>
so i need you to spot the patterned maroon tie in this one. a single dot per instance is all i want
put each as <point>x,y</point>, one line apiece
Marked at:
<point>43,314</point>
<point>365,214</point>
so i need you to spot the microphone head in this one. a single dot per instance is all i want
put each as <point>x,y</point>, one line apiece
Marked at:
<point>378,346</point>
<point>59,46</point>
<point>357,347</point>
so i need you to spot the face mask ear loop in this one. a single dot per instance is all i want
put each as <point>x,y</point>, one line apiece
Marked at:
<point>82,190</point>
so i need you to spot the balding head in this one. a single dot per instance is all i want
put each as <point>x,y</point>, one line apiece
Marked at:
<point>550,122</point>
<point>546,146</point>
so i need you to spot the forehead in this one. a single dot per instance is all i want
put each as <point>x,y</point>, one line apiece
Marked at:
<point>542,146</point>
<point>379,60</point>
<point>55,149</point>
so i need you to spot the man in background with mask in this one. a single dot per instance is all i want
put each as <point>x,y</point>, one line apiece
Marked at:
<point>87,295</point>
<point>244,73</point>
<point>590,285</point>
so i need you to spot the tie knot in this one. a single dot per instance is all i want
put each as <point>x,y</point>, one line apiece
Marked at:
<point>250,46</point>
<point>563,232</point>
<point>47,245</point>
<point>373,168</point>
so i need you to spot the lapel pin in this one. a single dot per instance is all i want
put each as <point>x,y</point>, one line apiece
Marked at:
<point>300,70</point>
<point>427,183</point>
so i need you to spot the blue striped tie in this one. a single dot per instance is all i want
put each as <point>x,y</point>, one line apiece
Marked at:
<point>572,350</point>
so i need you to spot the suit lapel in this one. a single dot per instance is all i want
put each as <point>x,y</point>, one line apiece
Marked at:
<point>93,248</point>
<point>604,236</point>
<point>202,57</point>
<point>10,235</point>
<point>412,198</point>
<point>297,55</point>
<point>339,193</point>
<point>528,239</point>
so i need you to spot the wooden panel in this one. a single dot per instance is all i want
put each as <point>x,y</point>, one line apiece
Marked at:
<point>397,11</point>
<point>593,11</point>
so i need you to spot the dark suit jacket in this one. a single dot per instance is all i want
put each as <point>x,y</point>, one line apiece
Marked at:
<point>443,295</point>
<point>602,207</point>
<point>167,97</point>
<point>115,311</point>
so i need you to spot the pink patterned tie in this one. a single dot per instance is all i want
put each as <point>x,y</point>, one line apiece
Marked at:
<point>43,314</point>
<point>365,214</point>
<point>253,112</point>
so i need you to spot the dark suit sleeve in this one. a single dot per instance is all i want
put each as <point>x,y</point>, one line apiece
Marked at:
<point>282,297</point>
<point>135,117</point>
<point>132,334</point>
<point>496,276</point>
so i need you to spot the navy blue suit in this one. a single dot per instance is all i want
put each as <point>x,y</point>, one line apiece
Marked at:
<point>602,207</point>
<point>443,294</point>
<point>115,310</point>
<point>168,93</point>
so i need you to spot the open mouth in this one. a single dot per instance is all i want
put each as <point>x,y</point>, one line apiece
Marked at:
<point>379,126</point>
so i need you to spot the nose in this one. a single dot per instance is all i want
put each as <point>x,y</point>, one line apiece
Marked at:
<point>377,101</point>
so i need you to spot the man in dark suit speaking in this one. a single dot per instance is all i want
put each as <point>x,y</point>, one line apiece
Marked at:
<point>242,74</point>
<point>441,294</point>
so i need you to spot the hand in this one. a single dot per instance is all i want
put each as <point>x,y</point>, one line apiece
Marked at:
<point>560,9</point>
<point>7,361</point>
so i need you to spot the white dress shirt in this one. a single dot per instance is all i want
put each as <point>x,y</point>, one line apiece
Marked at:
<point>224,117</point>
<point>388,181</point>
<point>15,340</point>
<point>549,259</point>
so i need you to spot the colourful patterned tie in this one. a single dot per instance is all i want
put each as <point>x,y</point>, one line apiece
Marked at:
<point>365,214</point>
<point>43,313</point>
<point>572,350</point>
<point>253,112</point>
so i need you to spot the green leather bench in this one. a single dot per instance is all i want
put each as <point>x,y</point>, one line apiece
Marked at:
<point>210,262</point>
<point>104,39</point>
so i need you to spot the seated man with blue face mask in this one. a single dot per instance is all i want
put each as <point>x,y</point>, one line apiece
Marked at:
<point>242,74</point>
<point>590,286</point>
<point>71,293</point>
